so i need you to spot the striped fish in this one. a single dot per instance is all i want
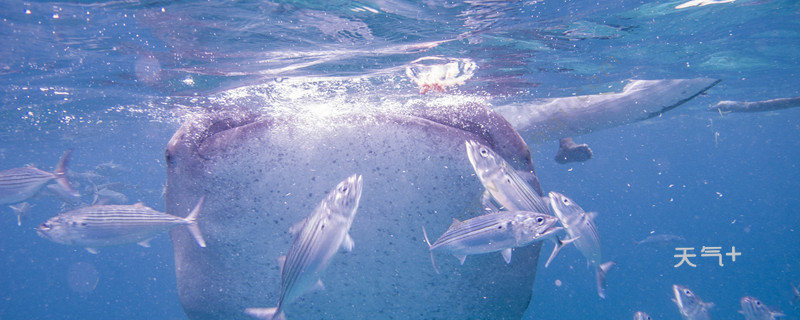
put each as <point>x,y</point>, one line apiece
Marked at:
<point>108,225</point>
<point>19,184</point>
<point>753,309</point>
<point>507,187</point>
<point>504,183</point>
<point>580,227</point>
<point>492,232</point>
<point>690,305</point>
<point>321,235</point>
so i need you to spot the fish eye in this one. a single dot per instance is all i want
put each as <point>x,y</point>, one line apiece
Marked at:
<point>484,152</point>
<point>45,226</point>
<point>758,303</point>
<point>539,220</point>
<point>687,292</point>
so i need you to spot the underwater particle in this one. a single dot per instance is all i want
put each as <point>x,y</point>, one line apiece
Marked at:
<point>82,277</point>
<point>558,282</point>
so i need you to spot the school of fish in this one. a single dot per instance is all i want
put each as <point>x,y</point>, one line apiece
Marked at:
<point>514,215</point>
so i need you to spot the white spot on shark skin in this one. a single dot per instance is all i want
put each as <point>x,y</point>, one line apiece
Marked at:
<point>700,3</point>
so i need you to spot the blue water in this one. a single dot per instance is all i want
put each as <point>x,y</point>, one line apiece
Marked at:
<point>114,80</point>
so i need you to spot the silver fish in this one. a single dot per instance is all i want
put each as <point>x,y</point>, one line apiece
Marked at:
<point>504,183</point>
<point>322,234</point>
<point>19,184</point>
<point>507,187</point>
<point>108,196</point>
<point>580,226</point>
<point>21,210</point>
<point>639,315</point>
<point>660,238</point>
<point>492,232</point>
<point>689,305</point>
<point>753,309</point>
<point>108,225</point>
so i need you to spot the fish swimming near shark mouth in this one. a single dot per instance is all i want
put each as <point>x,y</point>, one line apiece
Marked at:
<point>260,169</point>
<point>262,173</point>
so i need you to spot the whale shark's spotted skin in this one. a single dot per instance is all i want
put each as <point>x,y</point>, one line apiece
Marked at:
<point>263,173</point>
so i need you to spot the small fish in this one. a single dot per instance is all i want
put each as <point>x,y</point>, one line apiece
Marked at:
<point>660,238</point>
<point>580,226</point>
<point>507,187</point>
<point>689,305</point>
<point>21,210</point>
<point>321,235</point>
<point>492,232</point>
<point>753,309</point>
<point>108,196</point>
<point>108,225</point>
<point>639,315</point>
<point>19,184</point>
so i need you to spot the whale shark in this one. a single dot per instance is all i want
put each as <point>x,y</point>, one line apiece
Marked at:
<point>263,168</point>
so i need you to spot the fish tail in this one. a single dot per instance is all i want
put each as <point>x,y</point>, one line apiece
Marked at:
<point>61,174</point>
<point>600,277</point>
<point>192,220</point>
<point>265,313</point>
<point>433,262</point>
<point>558,245</point>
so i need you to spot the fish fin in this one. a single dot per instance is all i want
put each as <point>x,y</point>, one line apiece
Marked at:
<point>145,243</point>
<point>796,292</point>
<point>281,261</point>
<point>424,233</point>
<point>455,222</point>
<point>708,305</point>
<point>61,174</point>
<point>558,245</point>
<point>141,204</point>
<point>194,229</point>
<point>591,214</point>
<point>488,202</point>
<point>600,277</point>
<point>295,228</point>
<point>506,255</point>
<point>317,286</point>
<point>461,258</point>
<point>348,243</point>
<point>265,313</point>
<point>92,250</point>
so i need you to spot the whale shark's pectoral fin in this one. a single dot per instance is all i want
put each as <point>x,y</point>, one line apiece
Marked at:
<point>569,151</point>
